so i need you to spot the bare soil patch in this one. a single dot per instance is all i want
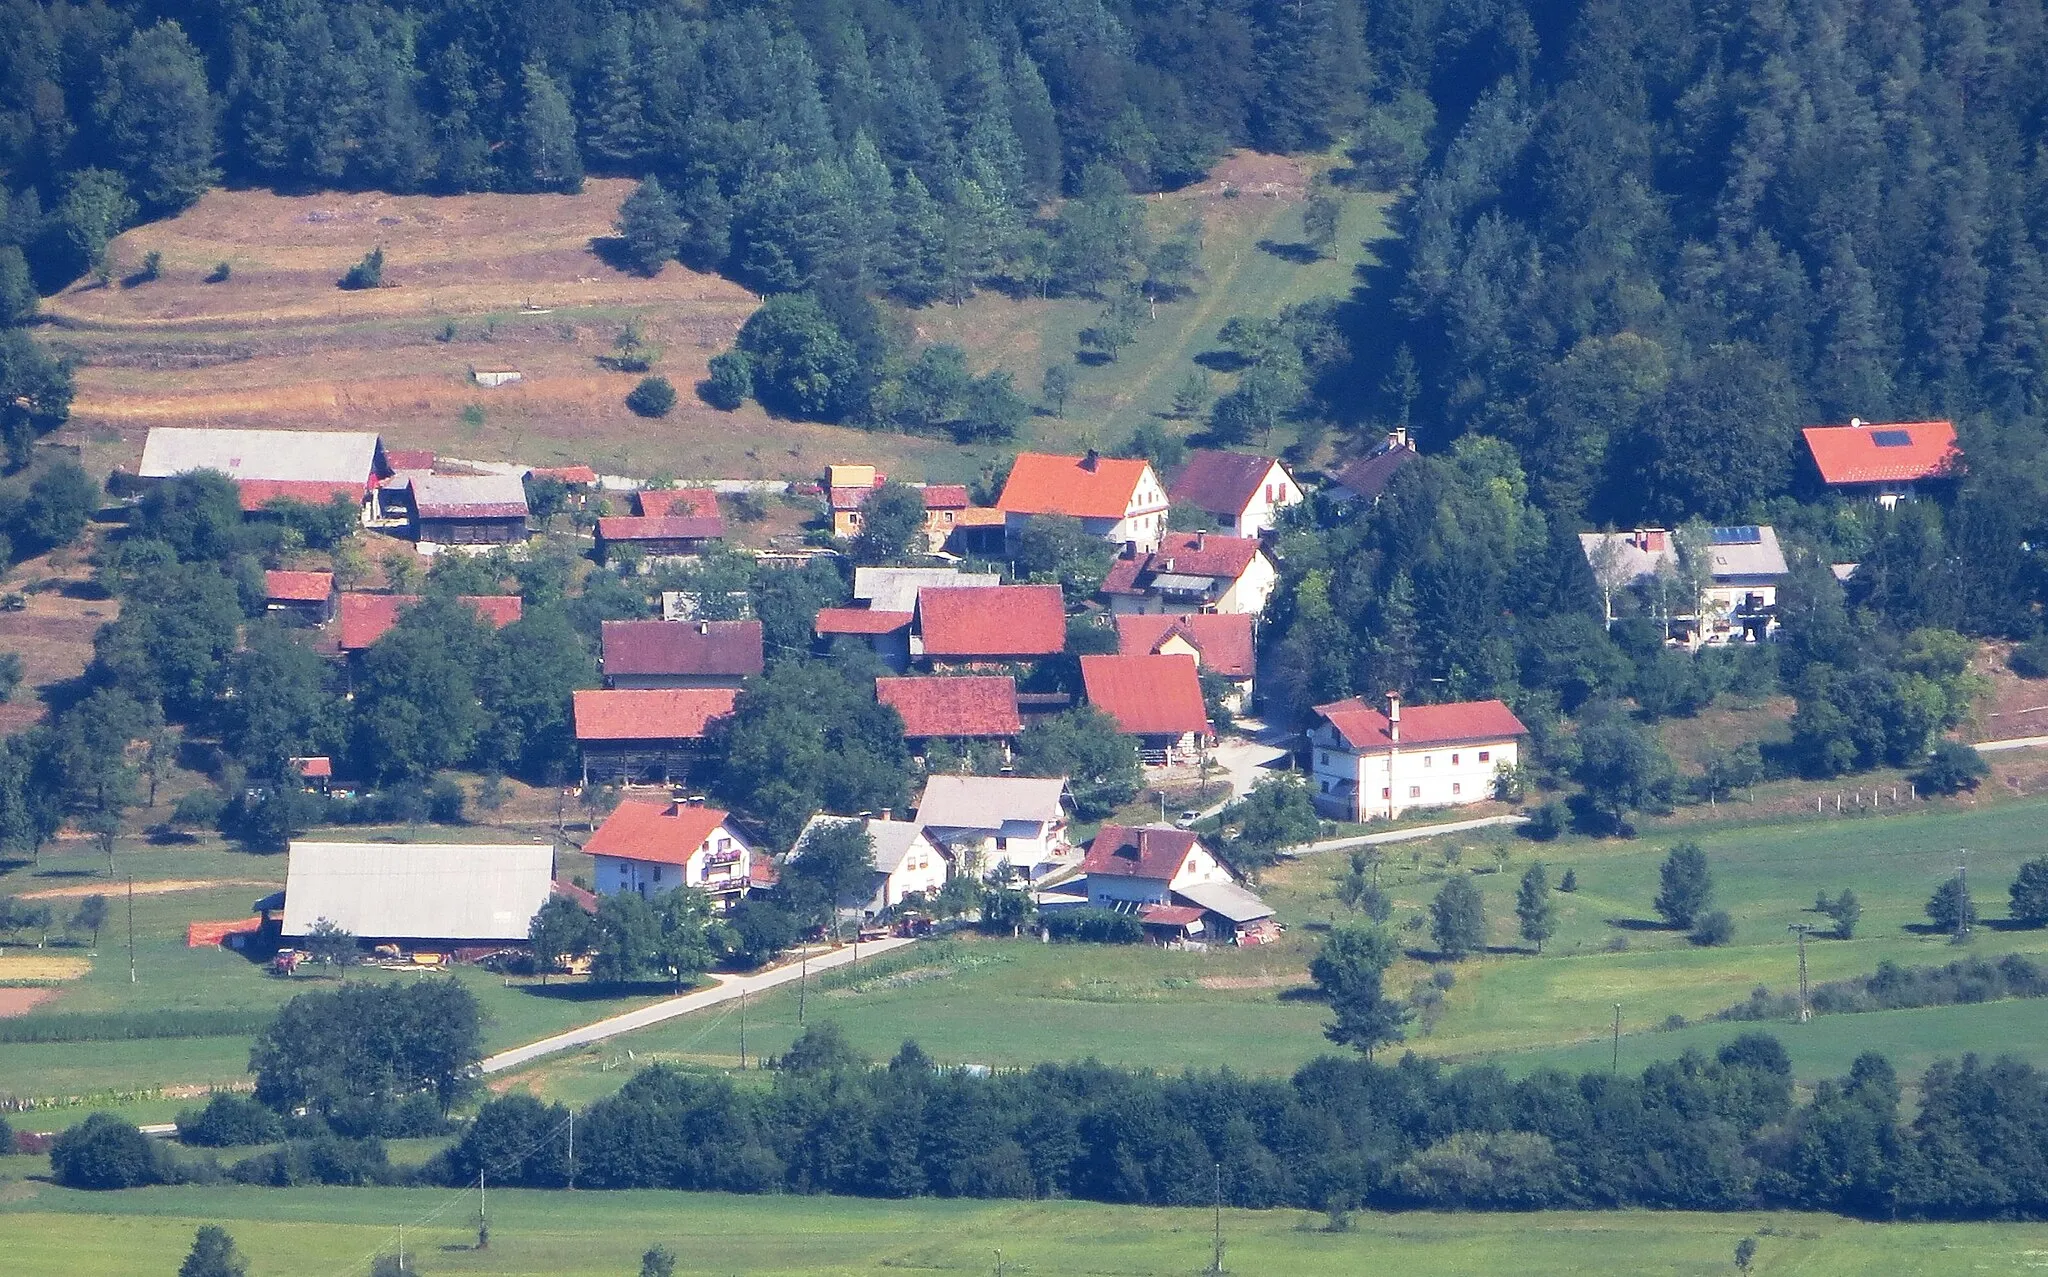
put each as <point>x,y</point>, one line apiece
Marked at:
<point>1282,980</point>
<point>22,1001</point>
<point>2014,706</point>
<point>164,887</point>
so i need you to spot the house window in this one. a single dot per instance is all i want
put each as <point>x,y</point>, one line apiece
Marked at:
<point>1485,755</point>
<point>1456,788</point>
<point>1002,844</point>
<point>1322,758</point>
<point>1415,791</point>
<point>1325,784</point>
<point>1386,793</point>
<point>1428,759</point>
<point>1454,760</point>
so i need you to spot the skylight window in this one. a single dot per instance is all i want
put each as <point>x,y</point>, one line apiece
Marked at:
<point>1892,438</point>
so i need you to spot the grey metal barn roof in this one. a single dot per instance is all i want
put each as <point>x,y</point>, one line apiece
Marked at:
<point>986,802</point>
<point>291,456</point>
<point>1226,899</point>
<point>480,892</point>
<point>895,589</point>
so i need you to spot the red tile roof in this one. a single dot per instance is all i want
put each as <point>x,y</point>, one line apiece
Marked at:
<point>1147,695</point>
<point>730,649</point>
<point>298,587</point>
<point>1207,554</point>
<point>945,496</point>
<point>409,459</point>
<point>1170,915</point>
<point>977,706</point>
<point>1365,728</point>
<point>318,767</point>
<point>1222,639</point>
<point>663,833</point>
<point>1150,851</point>
<point>666,713</point>
<point>1044,484</point>
<point>1850,454</point>
<point>655,504</point>
<point>1221,482</point>
<point>365,618</point>
<point>860,620</point>
<point>576,475</point>
<point>999,622</point>
<point>258,493</point>
<point>1369,476</point>
<point>684,527</point>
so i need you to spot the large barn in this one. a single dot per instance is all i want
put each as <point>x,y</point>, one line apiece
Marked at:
<point>417,893</point>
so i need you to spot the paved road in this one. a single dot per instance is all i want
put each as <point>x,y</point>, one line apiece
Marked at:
<point>1244,762</point>
<point>728,989</point>
<point>2011,742</point>
<point>1403,835</point>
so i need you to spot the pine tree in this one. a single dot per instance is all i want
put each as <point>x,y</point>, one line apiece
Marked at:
<point>870,215</point>
<point>158,117</point>
<point>1685,887</point>
<point>1533,907</point>
<point>1036,126</point>
<point>1457,918</point>
<point>614,113</point>
<point>213,1254</point>
<point>651,227</point>
<point>917,264</point>
<point>548,156</point>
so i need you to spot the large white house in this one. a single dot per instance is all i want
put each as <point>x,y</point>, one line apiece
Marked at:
<point>648,848</point>
<point>1743,567</point>
<point>1244,492</point>
<point>908,861</point>
<point>1145,865</point>
<point>1119,500</point>
<point>1368,764</point>
<point>998,826</point>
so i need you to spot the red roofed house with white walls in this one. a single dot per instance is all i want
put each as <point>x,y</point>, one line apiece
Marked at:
<point>1369,765</point>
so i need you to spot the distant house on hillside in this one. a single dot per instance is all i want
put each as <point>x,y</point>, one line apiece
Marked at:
<point>895,589</point>
<point>1243,492</point>
<point>962,627</point>
<point>362,619</point>
<point>306,598</point>
<point>671,503</point>
<point>1368,764</point>
<point>1157,699</point>
<point>1744,563</point>
<point>961,709</point>
<point>648,848</point>
<point>419,894</point>
<point>887,633</point>
<point>466,509</point>
<point>847,489</point>
<point>657,537</point>
<point>1221,643</point>
<point>908,862</point>
<point>1193,572</point>
<point>312,466</point>
<point>1176,887</point>
<point>1883,462</point>
<point>1121,501</point>
<point>681,653</point>
<point>1000,827</point>
<point>646,735</point>
<point>1365,479</point>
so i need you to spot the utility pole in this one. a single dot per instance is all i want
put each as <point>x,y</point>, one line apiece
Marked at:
<point>572,1150</point>
<point>401,1248</point>
<point>131,930</point>
<point>1615,1067</point>
<point>999,1262</point>
<point>743,1029</point>
<point>483,1218</point>
<point>1800,929</point>
<point>1216,1264</point>
<point>1963,877</point>
<point>803,978</point>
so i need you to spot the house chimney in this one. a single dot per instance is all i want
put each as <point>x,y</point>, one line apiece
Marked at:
<point>704,627</point>
<point>1394,717</point>
<point>1201,539</point>
<point>1397,438</point>
<point>887,813</point>
<point>1092,460</point>
<point>1855,423</point>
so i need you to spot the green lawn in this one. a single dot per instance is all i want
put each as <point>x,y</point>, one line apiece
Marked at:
<point>335,1232</point>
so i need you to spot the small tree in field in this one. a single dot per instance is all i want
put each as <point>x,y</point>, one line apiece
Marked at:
<point>213,1254</point>
<point>1951,908</point>
<point>333,945</point>
<point>90,915</point>
<point>659,1261</point>
<point>1533,907</point>
<point>1745,1253</point>
<point>653,397</point>
<point>1685,887</point>
<point>2030,893</point>
<point>1457,918</point>
<point>367,273</point>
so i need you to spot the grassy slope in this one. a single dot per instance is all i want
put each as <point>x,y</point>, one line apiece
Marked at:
<point>334,1231</point>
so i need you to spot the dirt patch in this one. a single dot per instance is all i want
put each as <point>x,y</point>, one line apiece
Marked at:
<point>164,887</point>
<point>2013,706</point>
<point>1280,981</point>
<point>22,1001</point>
<point>29,966</point>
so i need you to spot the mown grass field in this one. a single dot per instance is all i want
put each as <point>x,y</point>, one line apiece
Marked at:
<point>522,281</point>
<point>335,1233</point>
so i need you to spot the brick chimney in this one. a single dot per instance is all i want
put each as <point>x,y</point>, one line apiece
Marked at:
<point>887,812</point>
<point>704,627</point>
<point>1394,717</point>
<point>1201,539</point>
<point>1092,460</point>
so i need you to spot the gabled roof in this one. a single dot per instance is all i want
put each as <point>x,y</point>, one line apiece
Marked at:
<point>945,496</point>
<point>1222,639</point>
<point>657,833</point>
<point>895,589</point>
<point>1221,482</point>
<point>1637,553</point>
<point>1091,487</point>
<point>299,456</point>
<point>1369,476</point>
<point>1365,729</point>
<point>989,802</point>
<point>297,587</point>
<point>670,502</point>
<point>1150,851</point>
<point>573,475</point>
<point>468,496</point>
<point>666,713</point>
<point>1147,695</point>
<point>424,891</point>
<point>397,459</point>
<point>861,621</point>
<point>365,618</point>
<point>315,767</point>
<point>978,706</point>
<point>257,494</point>
<point>892,840</point>
<point>675,527</point>
<point>999,622</point>
<point>1889,452</point>
<point>1189,559</point>
<point>729,649</point>
<point>1226,899</point>
<point>1751,550</point>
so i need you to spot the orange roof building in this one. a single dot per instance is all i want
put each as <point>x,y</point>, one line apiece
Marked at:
<point>646,735</point>
<point>978,707</point>
<point>1117,499</point>
<point>1220,642</point>
<point>1158,699</point>
<point>1883,460</point>
<point>648,848</point>
<point>992,623</point>
<point>365,618</point>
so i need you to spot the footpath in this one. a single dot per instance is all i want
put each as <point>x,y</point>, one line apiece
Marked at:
<point>1403,835</point>
<point>728,989</point>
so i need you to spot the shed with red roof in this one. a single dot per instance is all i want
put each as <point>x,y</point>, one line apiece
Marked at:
<point>973,707</point>
<point>306,597</point>
<point>681,653</point>
<point>991,624</point>
<point>365,618</point>
<point>646,735</point>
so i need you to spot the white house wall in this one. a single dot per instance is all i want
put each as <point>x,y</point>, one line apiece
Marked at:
<point>1389,783</point>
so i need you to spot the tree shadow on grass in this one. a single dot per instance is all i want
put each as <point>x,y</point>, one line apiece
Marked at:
<point>1297,253</point>
<point>611,250</point>
<point>1091,358</point>
<point>1222,361</point>
<point>1641,924</point>
<point>599,992</point>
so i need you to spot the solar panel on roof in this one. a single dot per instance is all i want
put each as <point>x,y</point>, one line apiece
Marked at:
<point>1892,438</point>
<point>1738,536</point>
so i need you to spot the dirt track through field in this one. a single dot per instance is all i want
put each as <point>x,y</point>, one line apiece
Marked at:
<point>164,887</point>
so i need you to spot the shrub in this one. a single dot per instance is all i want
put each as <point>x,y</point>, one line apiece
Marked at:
<point>104,1152</point>
<point>228,1121</point>
<point>325,1159</point>
<point>446,803</point>
<point>730,382</point>
<point>1952,768</point>
<point>2030,659</point>
<point>199,809</point>
<point>653,397</point>
<point>1570,881</point>
<point>1545,823</point>
<point>367,273</point>
<point>1096,926</point>
<point>220,273</point>
<point>152,268</point>
<point>1715,928</point>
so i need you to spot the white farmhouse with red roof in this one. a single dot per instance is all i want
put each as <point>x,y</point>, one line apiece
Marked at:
<point>648,848</point>
<point>1368,764</point>
<point>1116,499</point>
